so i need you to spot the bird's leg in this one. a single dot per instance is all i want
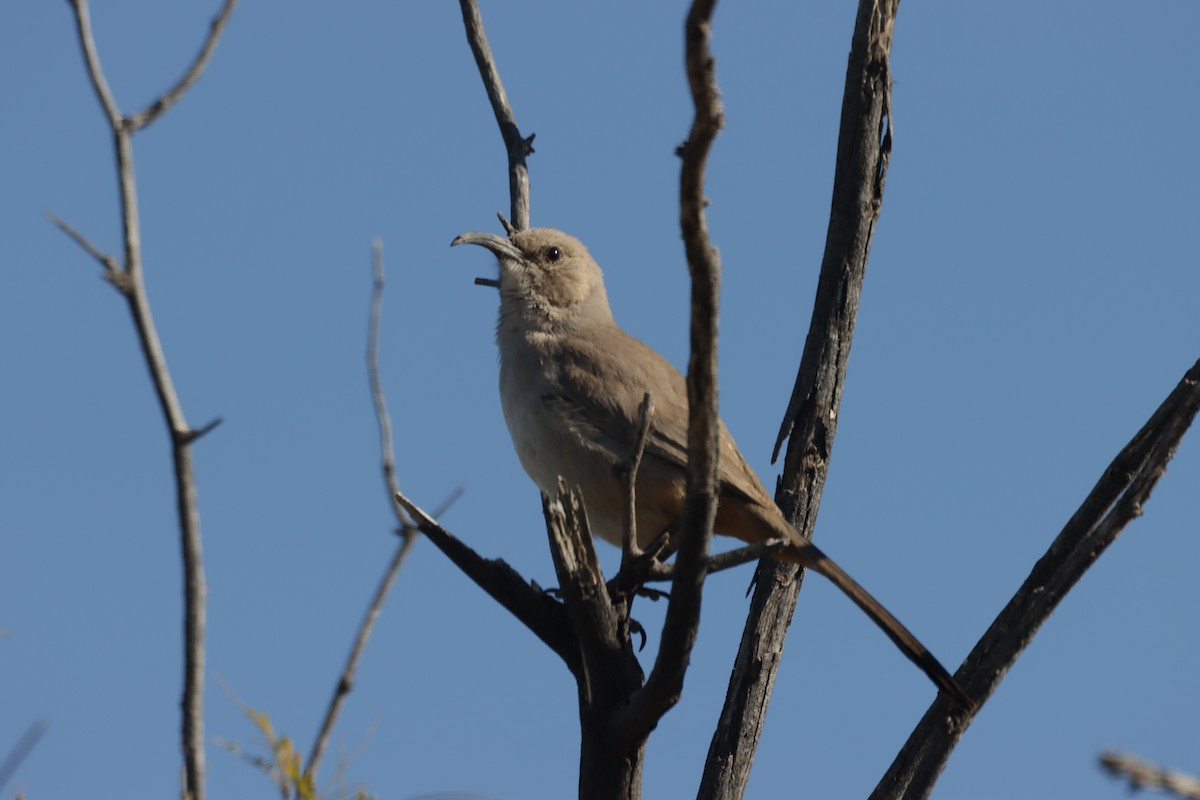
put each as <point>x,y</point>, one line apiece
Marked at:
<point>643,566</point>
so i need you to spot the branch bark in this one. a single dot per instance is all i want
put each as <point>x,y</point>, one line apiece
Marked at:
<point>809,426</point>
<point>544,616</point>
<point>1113,503</point>
<point>665,683</point>
<point>128,280</point>
<point>610,755</point>
<point>516,146</point>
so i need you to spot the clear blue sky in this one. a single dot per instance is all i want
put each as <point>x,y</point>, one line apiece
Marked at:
<point>1031,297</point>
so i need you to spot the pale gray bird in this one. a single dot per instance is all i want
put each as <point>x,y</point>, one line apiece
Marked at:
<point>571,382</point>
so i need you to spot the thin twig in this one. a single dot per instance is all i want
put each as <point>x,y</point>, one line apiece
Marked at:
<point>517,146</point>
<point>1143,774</point>
<point>193,73</point>
<point>509,228</point>
<point>864,147</point>
<point>1113,503</point>
<point>407,531</point>
<point>382,417</point>
<point>21,750</point>
<point>744,555</point>
<point>665,682</point>
<point>192,434</point>
<point>108,262</point>
<point>83,27</point>
<point>346,682</point>
<point>630,549</point>
<point>129,279</point>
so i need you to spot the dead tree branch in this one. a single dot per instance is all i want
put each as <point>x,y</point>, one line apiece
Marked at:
<point>543,615</point>
<point>346,681</point>
<point>21,750</point>
<point>1144,775</point>
<point>193,73</point>
<point>809,426</point>
<point>128,280</point>
<point>1113,503</point>
<point>665,682</point>
<point>517,146</point>
<point>406,530</point>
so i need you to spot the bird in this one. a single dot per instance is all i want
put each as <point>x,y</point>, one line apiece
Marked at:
<point>571,385</point>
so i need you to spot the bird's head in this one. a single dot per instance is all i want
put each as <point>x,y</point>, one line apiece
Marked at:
<point>548,279</point>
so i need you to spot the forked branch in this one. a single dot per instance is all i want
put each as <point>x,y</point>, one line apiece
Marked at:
<point>126,276</point>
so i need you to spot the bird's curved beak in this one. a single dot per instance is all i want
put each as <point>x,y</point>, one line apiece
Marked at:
<point>503,248</point>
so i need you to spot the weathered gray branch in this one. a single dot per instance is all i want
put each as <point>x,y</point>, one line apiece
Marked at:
<point>540,613</point>
<point>128,280</point>
<point>406,530</point>
<point>516,146</point>
<point>190,76</point>
<point>864,147</point>
<point>1113,503</point>
<point>1142,774</point>
<point>665,682</point>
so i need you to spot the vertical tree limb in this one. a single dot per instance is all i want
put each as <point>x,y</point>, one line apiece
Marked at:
<point>610,755</point>
<point>127,278</point>
<point>665,682</point>
<point>809,426</point>
<point>406,530</point>
<point>516,146</point>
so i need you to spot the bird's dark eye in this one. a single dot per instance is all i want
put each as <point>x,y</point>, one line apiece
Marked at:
<point>553,254</point>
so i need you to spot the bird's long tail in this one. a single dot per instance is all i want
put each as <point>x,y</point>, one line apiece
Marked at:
<point>808,554</point>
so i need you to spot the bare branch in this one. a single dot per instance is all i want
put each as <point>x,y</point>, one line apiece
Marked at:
<point>598,621</point>
<point>541,614</point>
<point>1113,503</point>
<point>346,681</point>
<point>864,148</point>
<point>665,682</point>
<point>630,549</point>
<point>111,269</point>
<point>83,27</point>
<point>742,555</point>
<point>1145,775</point>
<point>517,146</point>
<point>382,417</point>
<point>509,228</point>
<point>21,750</point>
<point>171,97</point>
<point>129,280</point>
<point>407,531</point>
<point>195,433</point>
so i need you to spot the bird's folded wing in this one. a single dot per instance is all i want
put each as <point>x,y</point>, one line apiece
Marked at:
<point>600,397</point>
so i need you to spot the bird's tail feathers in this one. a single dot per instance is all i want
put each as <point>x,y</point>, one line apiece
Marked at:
<point>809,555</point>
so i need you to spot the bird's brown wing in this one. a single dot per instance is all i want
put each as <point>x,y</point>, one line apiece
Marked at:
<point>602,396</point>
<point>608,416</point>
